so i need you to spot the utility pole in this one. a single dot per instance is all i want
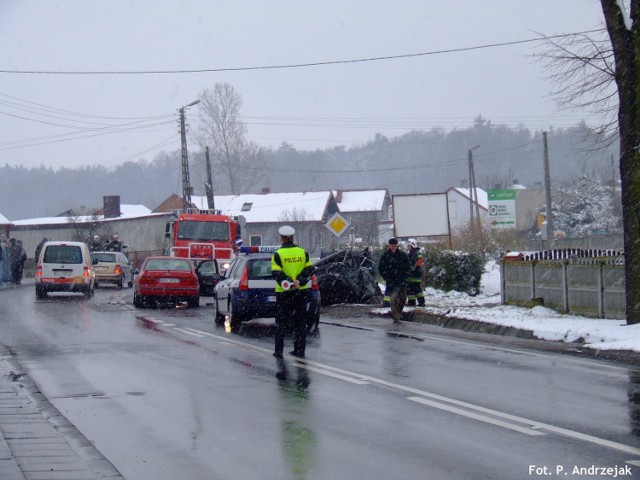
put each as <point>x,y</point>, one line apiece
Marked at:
<point>547,188</point>
<point>208,185</point>
<point>473,194</point>
<point>186,183</point>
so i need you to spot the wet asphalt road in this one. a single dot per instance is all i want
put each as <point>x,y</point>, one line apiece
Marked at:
<point>164,394</point>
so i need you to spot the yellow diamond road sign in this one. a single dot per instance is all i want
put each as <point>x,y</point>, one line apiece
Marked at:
<point>337,224</point>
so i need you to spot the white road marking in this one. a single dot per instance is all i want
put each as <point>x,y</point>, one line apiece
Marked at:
<point>184,330</point>
<point>532,427</point>
<point>476,416</point>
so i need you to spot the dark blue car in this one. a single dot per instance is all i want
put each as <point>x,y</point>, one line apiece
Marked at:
<point>247,291</point>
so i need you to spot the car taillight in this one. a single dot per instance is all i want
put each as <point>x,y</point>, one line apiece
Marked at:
<point>86,272</point>
<point>314,283</point>
<point>244,280</point>
<point>39,271</point>
<point>117,269</point>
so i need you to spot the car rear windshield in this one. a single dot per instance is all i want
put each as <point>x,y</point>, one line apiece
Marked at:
<point>104,257</point>
<point>63,254</point>
<point>168,264</point>
<point>260,269</point>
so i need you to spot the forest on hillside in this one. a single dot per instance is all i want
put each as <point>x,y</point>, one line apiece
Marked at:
<point>417,162</point>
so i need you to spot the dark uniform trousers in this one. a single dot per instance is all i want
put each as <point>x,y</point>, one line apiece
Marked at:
<point>290,314</point>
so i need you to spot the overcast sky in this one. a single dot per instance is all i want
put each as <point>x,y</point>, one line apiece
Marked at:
<point>104,118</point>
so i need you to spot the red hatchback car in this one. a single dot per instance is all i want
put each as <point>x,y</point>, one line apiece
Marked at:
<point>166,280</point>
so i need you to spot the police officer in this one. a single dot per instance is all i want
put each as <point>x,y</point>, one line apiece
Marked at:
<point>414,281</point>
<point>292,270</point>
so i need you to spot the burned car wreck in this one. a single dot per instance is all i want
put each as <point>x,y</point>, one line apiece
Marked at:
<point>347,276</point>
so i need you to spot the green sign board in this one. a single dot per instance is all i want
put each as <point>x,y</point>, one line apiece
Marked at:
<point>502,208</point>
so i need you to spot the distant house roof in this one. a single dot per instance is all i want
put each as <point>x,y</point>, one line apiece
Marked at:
<point>127,211</point>
<point>271,207</point>
<point>360,200</point>
<point>481,195</point>
<point>4,219</point>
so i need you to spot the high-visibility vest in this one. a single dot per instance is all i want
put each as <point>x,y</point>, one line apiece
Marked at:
<point>294,260</point>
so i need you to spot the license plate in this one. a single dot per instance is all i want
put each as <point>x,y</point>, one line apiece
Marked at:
<point>271,298</point>
<point>101,269</point>
<point>169,280</point>
<point>61,273</point>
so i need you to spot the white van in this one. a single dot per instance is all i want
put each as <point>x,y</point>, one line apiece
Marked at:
<point>65,267</point>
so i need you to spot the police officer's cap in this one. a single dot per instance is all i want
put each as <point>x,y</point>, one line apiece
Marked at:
<point>286,231</point>
<point>393,241</point>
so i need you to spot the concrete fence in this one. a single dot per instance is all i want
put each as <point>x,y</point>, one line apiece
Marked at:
<point>591,286</point>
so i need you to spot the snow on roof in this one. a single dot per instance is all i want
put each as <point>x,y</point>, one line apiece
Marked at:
<point>481,195</point>
<point>127,211</point>
<point>271,207</point>
<point>4,219</point>
<point>361,200</point>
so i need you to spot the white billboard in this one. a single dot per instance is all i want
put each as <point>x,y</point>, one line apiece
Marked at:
<point>421,215</point>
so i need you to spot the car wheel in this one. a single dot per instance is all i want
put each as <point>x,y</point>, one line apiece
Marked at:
<point>193,302</point>
<point>130,282</point>
<point>137,301</point>
<point>41,293</point>
<point>96,285</point>
<point>120,283</point>
<point>235,319</point>
<point>218,318</point>
<point>88,292</point>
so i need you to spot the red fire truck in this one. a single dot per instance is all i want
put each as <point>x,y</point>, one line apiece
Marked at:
<point>203,235</point>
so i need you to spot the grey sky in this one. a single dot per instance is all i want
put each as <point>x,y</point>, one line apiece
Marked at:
<point>308,107</point>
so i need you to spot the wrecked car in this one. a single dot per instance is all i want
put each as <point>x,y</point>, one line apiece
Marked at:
<point>347,276</point>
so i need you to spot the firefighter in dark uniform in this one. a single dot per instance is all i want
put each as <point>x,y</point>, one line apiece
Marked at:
<point>414,280</point>
<point>292,270</point>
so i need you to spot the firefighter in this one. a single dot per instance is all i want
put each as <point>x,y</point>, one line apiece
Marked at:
<point>292,270</point>
<point>414,280</point>
<point>115,245</point>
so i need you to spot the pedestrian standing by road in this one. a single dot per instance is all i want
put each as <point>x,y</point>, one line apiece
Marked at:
<point>5,273</point>
<point>36,256</point>
<point>292,270</point>
<point>414,281</point>
<point>394,269</point>
<point>17,257</point>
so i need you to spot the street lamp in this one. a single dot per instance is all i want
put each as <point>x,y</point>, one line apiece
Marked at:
<point>186,183</point>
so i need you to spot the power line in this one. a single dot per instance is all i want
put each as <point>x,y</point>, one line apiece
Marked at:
<point>299,65</point>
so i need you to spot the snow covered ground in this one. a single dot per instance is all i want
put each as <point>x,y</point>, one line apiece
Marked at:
<point>602,334</point>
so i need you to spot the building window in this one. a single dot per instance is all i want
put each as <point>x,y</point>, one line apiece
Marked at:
<point>247,206</point>
<point>255,240</point>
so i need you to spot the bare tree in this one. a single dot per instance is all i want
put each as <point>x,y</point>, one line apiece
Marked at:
<point>624,33</point>
<point>606,74</point>
<point>222,130</point>
<point>581,65</point>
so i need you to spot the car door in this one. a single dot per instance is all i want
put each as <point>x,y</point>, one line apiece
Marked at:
<point>127,268</point>
<point>223,287</point>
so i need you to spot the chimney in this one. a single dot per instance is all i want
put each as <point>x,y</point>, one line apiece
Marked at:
<point>515,181</point>
<point>265,190</point>
<point>464,183</point>
<point>338,196</point>
<point>111,206</point>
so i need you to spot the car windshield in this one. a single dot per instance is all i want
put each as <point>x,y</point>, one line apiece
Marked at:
<point>260,269</point>
<point>213,231</point>
<point>168,264</point>
<point>63,254</point>
<point>104,257</point>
